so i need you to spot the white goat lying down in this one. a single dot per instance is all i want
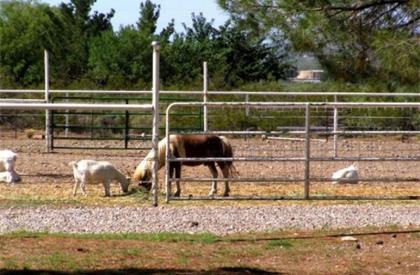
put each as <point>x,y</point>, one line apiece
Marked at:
<point>7,167</point>
<point>346,175</point>
<point>92,171</point>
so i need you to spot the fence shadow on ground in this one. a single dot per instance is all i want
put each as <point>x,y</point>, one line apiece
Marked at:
<point>221,271</point>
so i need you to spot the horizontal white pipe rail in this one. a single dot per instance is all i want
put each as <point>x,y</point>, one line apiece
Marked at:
<point>236,159</point>
<point>306,158</point>
<point>250,133</point>
<point>209,93</point>
<point>298,104</point>
<point>257,159</point>
<point>74,106</point>
<point>313,197</point>
<point>290,180</point>
<point>19,100</point>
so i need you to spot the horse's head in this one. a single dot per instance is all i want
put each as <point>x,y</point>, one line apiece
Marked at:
<point>125,184</point>
<point>143,175</point>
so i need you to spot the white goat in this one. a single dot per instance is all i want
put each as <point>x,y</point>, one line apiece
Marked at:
<point>346,175</point>
<point>92,171</point>
<point>7,167</point>
<point>6,177</point>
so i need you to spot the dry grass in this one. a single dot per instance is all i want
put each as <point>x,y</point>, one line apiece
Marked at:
<point>281,252</point>
<point>60,195</point>
<point>47,178</point>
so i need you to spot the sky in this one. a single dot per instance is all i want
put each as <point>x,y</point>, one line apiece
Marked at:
<point>127,11</point>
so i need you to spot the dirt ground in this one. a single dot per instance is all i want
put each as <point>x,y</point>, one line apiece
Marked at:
<point>377,252</point>
<point>276,253</point>
<point>39,168</point>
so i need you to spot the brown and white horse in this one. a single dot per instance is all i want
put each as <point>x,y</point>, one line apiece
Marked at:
<point>190,146</point>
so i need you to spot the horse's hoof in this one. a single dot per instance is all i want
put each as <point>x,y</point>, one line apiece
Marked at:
<point>177,194</point>
<point>226,195</point>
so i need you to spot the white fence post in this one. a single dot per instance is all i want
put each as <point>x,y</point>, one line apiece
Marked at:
<point>307,150</point>
<point>246,106</point>
<point>155,130</point>
<point>335,127</point>
<point>205,92</point>
<point>66,131</point>
<point>47,100</point>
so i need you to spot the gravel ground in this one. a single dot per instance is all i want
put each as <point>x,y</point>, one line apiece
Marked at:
<point>217,220</point>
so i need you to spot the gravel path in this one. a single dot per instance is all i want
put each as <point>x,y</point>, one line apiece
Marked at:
<point>218,220</point>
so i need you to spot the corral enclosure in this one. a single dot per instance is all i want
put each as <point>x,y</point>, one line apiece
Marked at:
<point>282,148</point>
<point>261,178</point>
<point>269,145</point>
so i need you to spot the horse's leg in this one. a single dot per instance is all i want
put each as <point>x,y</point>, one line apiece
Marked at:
<point>226,174</point>
<point>214,174</point>
<point>107,188</point>
<point>177,169</point>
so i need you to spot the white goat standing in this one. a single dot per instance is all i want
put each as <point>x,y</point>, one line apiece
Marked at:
<point>346,175</point>
<point>7,167</point>
<point>92,171</point>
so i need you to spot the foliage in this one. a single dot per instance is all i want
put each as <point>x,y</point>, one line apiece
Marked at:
<point>28,27</point>
<point>352,40</point>
<point>24,33</point>
<point>86,52</point>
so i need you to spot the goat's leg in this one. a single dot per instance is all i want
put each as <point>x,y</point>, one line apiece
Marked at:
<point>226,174</point>
<point>75,186</point>
<point>83,187</point>
<point>178,185</point>
<point>214,174</point>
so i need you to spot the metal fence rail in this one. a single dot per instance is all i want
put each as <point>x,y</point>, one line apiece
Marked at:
<point>125,126</point>
<point>308,158</point>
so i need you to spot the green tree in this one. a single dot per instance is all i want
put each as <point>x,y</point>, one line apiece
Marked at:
<point>80,27</point>
<point>26,29</point>
<point>352,40</point>
<point>234,55</point>
<point>149,14</point>
<point>123,59</point>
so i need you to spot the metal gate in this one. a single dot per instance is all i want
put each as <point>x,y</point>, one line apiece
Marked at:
<point>112,130</point>
<point>386,154</point>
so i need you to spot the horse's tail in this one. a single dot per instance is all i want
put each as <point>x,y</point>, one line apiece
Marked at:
<point>228,153</point>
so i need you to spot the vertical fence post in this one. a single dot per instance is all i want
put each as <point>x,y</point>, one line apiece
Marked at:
<point>205,92</point>
<point>167,156</point>
<point>247,107</point>
<point>66,117</point>
<point>126,128</point>
<point>155,130</point>
<point>47,100</point>
<point>335,127</point>
<point>307,150</point>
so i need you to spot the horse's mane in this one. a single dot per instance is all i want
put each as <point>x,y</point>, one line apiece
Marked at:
<point>176,145</point>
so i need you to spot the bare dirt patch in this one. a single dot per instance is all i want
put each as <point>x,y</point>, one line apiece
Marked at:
<point>47,176</point>
<point>47,180</point>
<point>281,253</point>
